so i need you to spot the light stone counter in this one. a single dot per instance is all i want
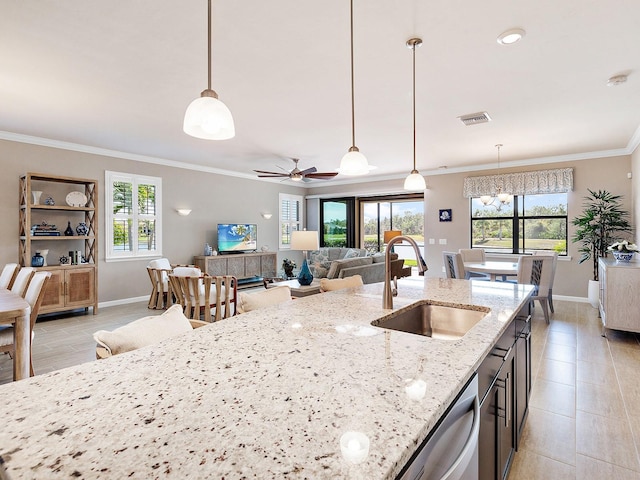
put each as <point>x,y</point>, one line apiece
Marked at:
<point>267,394</point>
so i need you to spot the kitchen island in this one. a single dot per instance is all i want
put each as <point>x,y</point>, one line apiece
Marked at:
<point>266,394</point>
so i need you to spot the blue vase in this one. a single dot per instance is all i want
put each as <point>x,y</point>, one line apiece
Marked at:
<point>305,277</point>
<point>37,260</point>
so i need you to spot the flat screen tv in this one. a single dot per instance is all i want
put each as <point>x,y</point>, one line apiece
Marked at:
<point>237,237</point>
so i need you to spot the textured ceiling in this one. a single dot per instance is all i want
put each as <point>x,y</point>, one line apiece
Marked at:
<point>119,75</point>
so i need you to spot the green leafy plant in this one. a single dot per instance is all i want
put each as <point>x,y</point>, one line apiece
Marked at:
<point>602,217</point>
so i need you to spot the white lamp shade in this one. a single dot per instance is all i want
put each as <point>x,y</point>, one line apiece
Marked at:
<point>486,199</point>
<point>304,240</point>
<point>354,163</point>
<point>415,181</point>
<point>209,118</point>
<point>504,197</point>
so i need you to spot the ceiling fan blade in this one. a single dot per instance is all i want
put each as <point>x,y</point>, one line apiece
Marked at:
<point>322,175</point>
<point>308,171</point>
<point>272,173</point>
<point>278,175</point>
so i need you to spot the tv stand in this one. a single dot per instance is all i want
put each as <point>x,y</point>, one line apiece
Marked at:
<point>248,268</point>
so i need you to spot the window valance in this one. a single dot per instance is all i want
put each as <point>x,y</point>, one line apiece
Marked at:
<point>523,183</point>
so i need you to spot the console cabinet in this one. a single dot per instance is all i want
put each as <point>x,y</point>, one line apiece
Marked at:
<point>619,284</point>
<point>71,286</point>
<point>246,267</point>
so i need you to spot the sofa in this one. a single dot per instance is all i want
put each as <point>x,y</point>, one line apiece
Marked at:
<point>340,262</point>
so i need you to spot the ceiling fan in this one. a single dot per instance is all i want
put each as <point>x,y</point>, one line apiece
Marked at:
<point>298,175</point>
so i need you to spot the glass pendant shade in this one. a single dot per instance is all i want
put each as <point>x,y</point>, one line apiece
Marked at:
<point>504,198</point>
<point>486,199</point>
<point>415,181</point>
<point>208,118</point>
<point>354,163</point>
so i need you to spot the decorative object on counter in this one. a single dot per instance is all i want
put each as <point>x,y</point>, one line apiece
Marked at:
<point>288,266</point>
<point>44,230</point>
<point>623,251</point>
<point>208,250</point>
<point>37,260</point>
<point>64,260</point>
<point>36,196</point>
<point>50,201</point>
<point>76,257</point>
<point>44,254</point>
<point>76,199</point>
<point>214,253</point>
<point>305,240</point>
<point>68,231</point>
<point>354,446</point>
<point>82,229</point>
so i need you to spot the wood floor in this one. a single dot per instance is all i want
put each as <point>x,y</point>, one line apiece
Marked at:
<point>584,419</point>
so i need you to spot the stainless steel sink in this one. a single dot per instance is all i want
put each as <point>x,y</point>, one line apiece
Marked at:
<point>436,321</point>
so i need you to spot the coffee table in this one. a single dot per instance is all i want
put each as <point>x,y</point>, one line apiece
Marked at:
<point>297,290</point>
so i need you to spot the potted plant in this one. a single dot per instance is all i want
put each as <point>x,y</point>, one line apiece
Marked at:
<point>602,217</point>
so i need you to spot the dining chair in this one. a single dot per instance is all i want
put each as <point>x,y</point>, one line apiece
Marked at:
<point>33,295</point>
<point>22,280</point>
<point>553,273</point>
<point>453,265</point>
<point>214,297</point>
<point>158,271</point>
<point>537,271</point>
<point>8,275</point>
<point>475,255</point>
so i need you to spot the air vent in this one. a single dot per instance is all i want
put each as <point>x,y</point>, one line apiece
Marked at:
<point>474,118</point>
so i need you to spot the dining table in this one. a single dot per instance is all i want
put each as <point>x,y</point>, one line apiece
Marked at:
<point>16,311</point>
<point>493,269</point>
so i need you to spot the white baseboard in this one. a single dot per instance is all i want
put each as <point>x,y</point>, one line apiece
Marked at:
<point>571,299</point>
<point>123,301</point>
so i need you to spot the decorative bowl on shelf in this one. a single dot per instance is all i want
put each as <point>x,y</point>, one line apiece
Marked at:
<point>623,257</point>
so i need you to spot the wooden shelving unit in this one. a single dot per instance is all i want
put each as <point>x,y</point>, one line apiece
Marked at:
<point>71,286</point>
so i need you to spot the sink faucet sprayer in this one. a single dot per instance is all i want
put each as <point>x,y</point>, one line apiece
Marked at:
<point>388,293</point>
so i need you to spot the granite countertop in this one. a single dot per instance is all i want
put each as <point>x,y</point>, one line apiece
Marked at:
<point>266,394</point>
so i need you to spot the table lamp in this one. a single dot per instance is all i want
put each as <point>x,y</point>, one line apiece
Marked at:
<point>304,240</point>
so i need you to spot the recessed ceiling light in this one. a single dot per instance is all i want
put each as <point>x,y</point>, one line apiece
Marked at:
<point>511,36</point>
<point>616,80</point>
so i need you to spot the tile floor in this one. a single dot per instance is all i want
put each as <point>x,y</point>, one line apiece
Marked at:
<point>584,418</point>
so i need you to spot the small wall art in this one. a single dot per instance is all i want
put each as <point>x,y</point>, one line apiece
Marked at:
<point>445,215</point>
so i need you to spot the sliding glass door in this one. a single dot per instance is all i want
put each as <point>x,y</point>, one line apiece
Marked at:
<point>404,213</point>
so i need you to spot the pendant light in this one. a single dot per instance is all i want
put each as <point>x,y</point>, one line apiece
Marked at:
<point>353,162</point>
<point>207,117</point>
<point>502,197</point>
<point>414,181</point>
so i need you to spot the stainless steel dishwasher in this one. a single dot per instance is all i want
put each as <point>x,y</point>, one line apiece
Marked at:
<point>451,450</point>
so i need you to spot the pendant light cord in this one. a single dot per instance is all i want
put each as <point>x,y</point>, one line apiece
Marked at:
<point>353,107</point>
<point>209,47</point>
<point>414,106</point>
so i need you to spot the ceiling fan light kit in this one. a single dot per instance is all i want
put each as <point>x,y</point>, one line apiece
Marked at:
<point>207,117</point>
<point>296,174</point>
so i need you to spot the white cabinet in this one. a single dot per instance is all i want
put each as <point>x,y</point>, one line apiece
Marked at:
<point>619,284</point>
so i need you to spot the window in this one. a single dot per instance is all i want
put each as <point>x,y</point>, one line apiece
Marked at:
<point>336,215</point>
<point>529,222</point>
<point>290,218</point>
<point>133,216</point>
<point>404,213</point>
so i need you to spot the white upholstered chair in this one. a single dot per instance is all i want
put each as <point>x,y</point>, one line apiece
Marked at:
<point>33,295</point>
<point>553,273</point>
<point>453,265</point>
<point>158,271</point>
<point>249,301</point>
<point>475,255</point>
<point>537,271</point>
<point>144,331</point>
<point>22,280</point>
<point>330,284</point>
<point>8,275</point>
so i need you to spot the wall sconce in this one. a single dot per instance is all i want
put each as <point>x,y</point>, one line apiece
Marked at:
<point>183,211</point>
<point>266,216</point>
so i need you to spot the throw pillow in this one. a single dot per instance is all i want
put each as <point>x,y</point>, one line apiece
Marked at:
<point>144,331</point>
<point>319,263</point>
<point>352,253</point>
<point>328,285</point>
